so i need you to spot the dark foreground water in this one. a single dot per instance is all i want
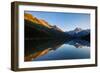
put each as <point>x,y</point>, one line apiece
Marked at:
<point>40,50</point>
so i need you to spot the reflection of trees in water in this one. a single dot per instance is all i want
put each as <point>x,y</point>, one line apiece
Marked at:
<point>38,48</point>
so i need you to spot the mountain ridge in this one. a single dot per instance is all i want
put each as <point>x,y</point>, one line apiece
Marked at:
<point>78,32</point>
<point>36,20</point>
<point>35,27</point>
<point>39,27</point>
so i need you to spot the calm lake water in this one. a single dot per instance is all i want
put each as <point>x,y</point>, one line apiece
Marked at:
<point>41,50</point>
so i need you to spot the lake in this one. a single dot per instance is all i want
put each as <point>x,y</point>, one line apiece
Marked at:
<point>56,49</point>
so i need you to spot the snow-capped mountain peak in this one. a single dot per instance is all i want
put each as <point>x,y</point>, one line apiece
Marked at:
<point>77,30</point>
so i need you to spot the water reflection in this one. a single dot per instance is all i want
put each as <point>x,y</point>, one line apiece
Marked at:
<point>78,43</point>
<point>56,49</point>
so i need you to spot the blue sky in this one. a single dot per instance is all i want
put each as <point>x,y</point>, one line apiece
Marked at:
<point>65,21</point>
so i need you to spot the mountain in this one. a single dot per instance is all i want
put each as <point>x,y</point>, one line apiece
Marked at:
<point>35,20</point>
<point>56,28</point>
<point>74,32</point>
<point>78,32</point>
<point>39,28</point>
<point>84,32</point>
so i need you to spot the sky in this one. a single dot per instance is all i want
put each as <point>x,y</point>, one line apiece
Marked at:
<point>65,21</point>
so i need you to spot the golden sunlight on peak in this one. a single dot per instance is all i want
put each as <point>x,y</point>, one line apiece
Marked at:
<point>36,20</point>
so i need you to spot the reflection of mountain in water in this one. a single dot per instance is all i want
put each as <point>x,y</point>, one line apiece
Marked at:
<point>41,37</point>
<point>78,43</point>
<point>38,48</point>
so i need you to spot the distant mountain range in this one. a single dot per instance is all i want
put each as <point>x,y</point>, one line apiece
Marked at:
<point>78,32</point>
<point>38,28</point>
